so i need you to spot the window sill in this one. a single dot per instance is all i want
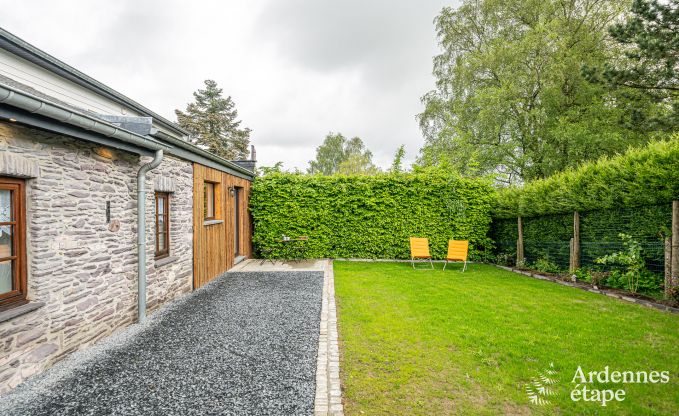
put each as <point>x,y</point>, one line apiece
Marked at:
<point>25,308</point>
<point>165,261</point>
<point>213,222</point>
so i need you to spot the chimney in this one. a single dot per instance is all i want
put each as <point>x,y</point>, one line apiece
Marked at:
<point>248,164</point>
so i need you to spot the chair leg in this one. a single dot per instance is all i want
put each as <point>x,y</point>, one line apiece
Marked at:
<point>465,266</point>
<point>431,263</point>
<point>445,264</point>
<point>412,261</point>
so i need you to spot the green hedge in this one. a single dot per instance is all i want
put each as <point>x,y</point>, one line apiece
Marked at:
<point>371,216</point>
<point>640,177</point>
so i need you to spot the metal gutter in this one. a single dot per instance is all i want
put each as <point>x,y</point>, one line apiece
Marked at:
<point>141,234</point>
<point>32,104</point>
<point>46,61</point>
<point>205,157</point>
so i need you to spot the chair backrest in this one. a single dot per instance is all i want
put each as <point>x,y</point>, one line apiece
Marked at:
<point>419,247</point>
<point>457,250</point>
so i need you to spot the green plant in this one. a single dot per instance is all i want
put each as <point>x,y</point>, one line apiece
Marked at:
<point>642,176</point>
<point>546,266</point>
<point>583,275</point>
<point>650,282</point>
<point>630,259</point>
<point>505,259</point>
<point>372,216</point>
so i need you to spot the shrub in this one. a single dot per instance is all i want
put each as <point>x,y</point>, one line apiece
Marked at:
<point>631,260</point>
<point>371,216</point>
<point>644,176</point>
<point>546,266</point>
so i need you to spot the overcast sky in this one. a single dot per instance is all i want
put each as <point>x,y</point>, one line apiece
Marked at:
<point>296,69</point>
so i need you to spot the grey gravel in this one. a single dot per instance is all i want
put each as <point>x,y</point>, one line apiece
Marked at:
<point>246,344</point>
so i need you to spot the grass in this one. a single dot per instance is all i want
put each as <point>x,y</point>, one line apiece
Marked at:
<point>429,342</point>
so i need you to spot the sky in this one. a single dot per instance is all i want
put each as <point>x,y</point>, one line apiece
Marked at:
<point>296,69</point>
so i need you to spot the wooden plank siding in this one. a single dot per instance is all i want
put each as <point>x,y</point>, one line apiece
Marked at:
<point>214,244</point>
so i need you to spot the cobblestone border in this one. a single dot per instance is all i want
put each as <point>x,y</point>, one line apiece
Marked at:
<point>328,400</point>
<point>614,295</point>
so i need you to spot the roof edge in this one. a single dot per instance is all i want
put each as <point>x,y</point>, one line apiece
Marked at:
<point>36,105</point>
<point>227,164</point>
<point>25,50</point>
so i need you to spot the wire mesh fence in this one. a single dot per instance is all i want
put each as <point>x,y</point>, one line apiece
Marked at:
<point>547,238</point>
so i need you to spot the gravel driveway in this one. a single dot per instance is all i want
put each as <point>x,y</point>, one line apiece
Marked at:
<point>245,344</point>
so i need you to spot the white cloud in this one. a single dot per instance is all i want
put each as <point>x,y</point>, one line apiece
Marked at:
<point>296,69</point>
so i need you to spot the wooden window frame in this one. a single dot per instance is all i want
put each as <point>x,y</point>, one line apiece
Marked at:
<point>17,296</point>
<point>162,252</point>
<point>214,200</point>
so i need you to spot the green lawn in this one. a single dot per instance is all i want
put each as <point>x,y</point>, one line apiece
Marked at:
<point>431,342</point>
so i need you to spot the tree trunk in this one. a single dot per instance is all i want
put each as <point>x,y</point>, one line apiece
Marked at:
<point>675,244</point>
<point>519,244</point>
<point>575,253</point>
<point>668,266</point>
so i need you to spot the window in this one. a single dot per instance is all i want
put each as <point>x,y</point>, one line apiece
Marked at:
<point>162,225</point>
<point>12,242</point>
<point>209,201</point>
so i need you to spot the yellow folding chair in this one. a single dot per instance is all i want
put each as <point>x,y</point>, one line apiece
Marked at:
<point>457,251</point>
<point>419,249</point>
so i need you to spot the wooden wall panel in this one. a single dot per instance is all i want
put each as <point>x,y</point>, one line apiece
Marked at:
<point>214,244</point>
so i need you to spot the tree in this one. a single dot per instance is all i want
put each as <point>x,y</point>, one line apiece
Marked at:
<point>510,98</point>
<point>397,164</point>
<point>339,155</point>
<point>211,121</point>
<point>648,67</point>
<point>270,170</point>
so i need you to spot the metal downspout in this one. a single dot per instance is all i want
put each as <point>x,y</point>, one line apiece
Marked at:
<point>141,234</point>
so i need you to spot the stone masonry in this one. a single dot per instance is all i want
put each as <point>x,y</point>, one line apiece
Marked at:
<point>81,268</point>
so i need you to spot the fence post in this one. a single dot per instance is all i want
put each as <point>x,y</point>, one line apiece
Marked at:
<point>519,244</point>
<point>675,246</point>
<point>668,265</point>
<point>575,250</point>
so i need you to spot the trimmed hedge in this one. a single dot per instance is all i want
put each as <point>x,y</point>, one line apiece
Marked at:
<point>640,177</point>
<point>371,216</point>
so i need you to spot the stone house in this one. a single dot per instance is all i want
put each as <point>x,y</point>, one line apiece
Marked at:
<point>77,159</point>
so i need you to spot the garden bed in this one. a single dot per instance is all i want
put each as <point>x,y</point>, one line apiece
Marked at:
<point>639,298</point>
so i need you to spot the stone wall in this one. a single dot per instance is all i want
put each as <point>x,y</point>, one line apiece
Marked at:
<point>80,267</point>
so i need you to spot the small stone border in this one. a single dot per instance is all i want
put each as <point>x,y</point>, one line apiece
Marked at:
<point>614,295</point>
<point>328,400</point>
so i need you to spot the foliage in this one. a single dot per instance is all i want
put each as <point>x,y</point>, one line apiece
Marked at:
<point>212,123</point>
<point>510,98</point>
<point>397,164</point>
<point>641,176</point>
<point>371,216</point>
<point>358,164</point>
<point>268,170</point>
<point>409,334</point>
<point>339,155</point>
<point>544,265</point>
<point>648,67</point>
<point>630,259</point>
<point>583,275</point>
